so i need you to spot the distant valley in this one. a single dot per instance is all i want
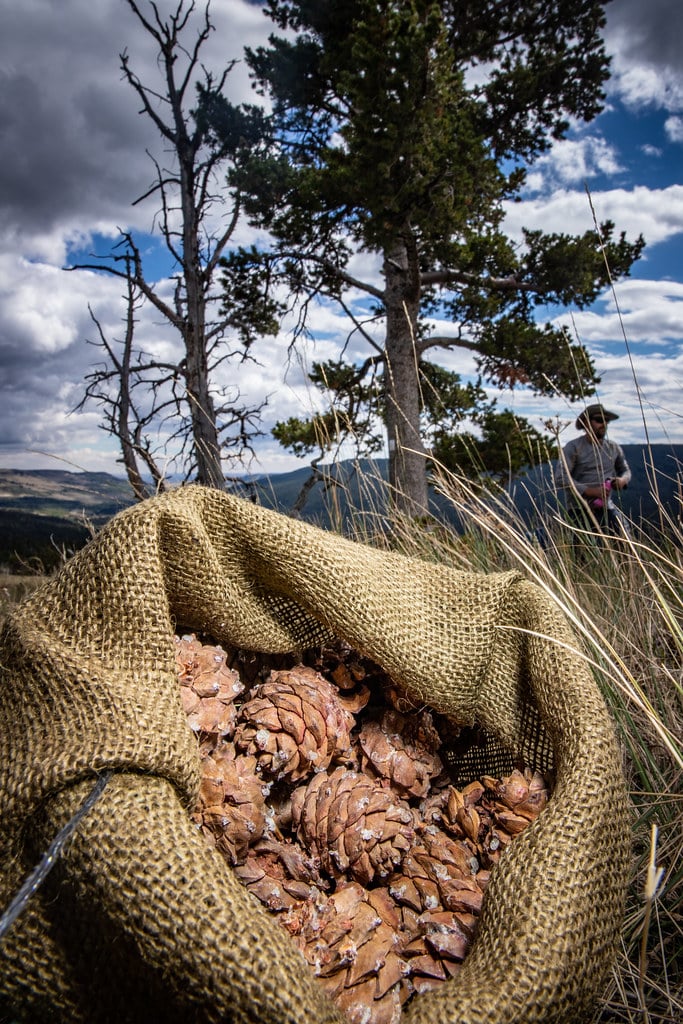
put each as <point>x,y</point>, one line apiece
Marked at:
<point>47,514</point>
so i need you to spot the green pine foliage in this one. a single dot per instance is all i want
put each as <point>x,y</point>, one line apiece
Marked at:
<point>400,131</point>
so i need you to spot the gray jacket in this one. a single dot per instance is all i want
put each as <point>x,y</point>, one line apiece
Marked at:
<point>589,463</point>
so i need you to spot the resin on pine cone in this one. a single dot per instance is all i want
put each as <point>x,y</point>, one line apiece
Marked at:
<point>208,687</point>
<point>353,944</point>
<point>353,825</point>
<point>403,750</point>
<point>294,724</point>
<point>232,810</point>
<point>280,875</point>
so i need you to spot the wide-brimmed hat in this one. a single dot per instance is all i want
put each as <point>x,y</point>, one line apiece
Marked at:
<point>594,412</point>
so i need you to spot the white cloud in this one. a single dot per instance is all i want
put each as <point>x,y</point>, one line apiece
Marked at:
<point>673,126</point>
<point>657,214</point>
<point>636,312</point>
<point>75,160</point>
<point>647,60</point>
<point>643,86</point>
<point>573,160</point>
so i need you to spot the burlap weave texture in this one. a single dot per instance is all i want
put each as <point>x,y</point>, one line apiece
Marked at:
<point>139,921</point>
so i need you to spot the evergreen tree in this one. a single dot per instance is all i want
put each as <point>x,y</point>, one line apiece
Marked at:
<point>400,129</point>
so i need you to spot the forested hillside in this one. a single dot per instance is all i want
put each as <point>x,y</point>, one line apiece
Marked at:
<point>45,514</point>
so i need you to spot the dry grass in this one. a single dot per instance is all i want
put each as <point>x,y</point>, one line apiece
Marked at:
<point>625,600</point>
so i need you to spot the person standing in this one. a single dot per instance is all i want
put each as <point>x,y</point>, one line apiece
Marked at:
<point>590,468</point>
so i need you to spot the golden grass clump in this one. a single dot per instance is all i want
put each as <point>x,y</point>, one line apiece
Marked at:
<point>625,600</point>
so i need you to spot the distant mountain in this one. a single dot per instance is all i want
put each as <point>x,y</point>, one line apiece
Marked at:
<point>657,482</point>
<point>350,490</point>
<point>61,493</point>
<point>47,513</point>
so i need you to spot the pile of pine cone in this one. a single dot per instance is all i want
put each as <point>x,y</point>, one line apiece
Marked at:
<point>329,799</point>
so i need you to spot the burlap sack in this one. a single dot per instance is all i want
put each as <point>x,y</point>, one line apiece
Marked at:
<point>139,921</point>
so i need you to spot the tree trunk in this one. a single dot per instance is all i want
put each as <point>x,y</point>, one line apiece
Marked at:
<point>206,446</point>
<point>407,454</point>
<point>202,412</point>
<point>123,430</point>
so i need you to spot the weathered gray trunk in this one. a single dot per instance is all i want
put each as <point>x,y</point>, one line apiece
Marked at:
<point>202,411</point>
<point>407,454</point>
<point>123,426</point>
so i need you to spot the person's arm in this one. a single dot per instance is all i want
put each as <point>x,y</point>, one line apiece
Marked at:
<point>622,472</point>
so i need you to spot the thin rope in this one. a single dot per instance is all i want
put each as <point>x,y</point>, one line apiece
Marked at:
<point>36,878</point>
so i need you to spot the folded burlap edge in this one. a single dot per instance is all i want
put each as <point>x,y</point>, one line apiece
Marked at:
<point>89,681</point>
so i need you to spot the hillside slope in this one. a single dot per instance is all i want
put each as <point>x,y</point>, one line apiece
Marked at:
<point>45,514</point>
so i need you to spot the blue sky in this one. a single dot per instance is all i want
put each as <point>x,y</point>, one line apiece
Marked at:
<point>74,159</point>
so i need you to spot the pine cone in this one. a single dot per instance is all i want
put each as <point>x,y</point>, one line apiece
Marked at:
<point>294,724</point>
<point>437,950</point>
<point>232,810</point>
<point>208,688</point>
<point>353,825</point>
<point>461,816</point>
<point>352,942</point>
<point>279,875</point>
<point>507,807</point>
<point>525,794</point>
<point>439,873</point>
<point>402,749</point>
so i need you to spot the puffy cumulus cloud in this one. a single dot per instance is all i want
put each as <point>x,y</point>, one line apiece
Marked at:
<point>33,313</point>
<point>633,294</point>
<point>58,436</point>
<point>573,160</point>
<point>270,458</point>
<point>641,86</point>
<point>75,159</point>
<point>366,266</point>
<point>648,32</point>
<point>644,391</point>
<point>44,328</point>
<point>657,214</point>
<point>43,310</point>
<point>73,127</point>
<point>633,335</point>
<point>642,314</point>
<point>673,126</point>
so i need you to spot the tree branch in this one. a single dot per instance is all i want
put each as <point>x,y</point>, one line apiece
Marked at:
<point>446,277</point>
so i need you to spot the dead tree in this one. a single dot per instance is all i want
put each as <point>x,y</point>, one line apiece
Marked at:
<point>192,200</point>
<point>114,387</point>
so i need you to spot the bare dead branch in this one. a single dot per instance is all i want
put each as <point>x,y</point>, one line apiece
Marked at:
<point>177,398</point>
